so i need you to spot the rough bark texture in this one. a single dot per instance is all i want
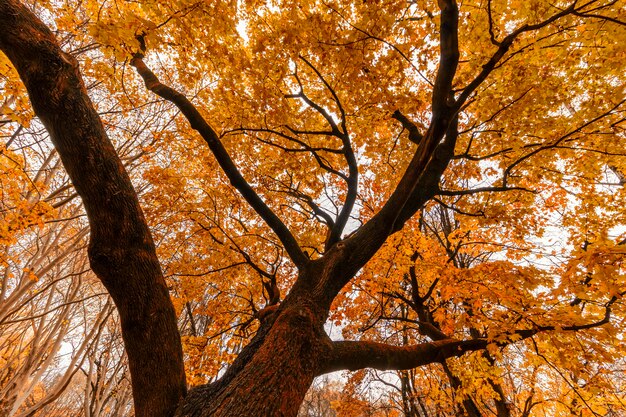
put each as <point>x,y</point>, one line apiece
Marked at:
<point>274,380</point>
<point>121,250</point>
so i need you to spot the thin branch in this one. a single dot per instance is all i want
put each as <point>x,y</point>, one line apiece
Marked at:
<point>503,48</point>
<point>56,307</point>
<point>389,44</point>
<point>555,143</point>
<point>492,36</point>
<point>352,179</point>
<point>332,92</point>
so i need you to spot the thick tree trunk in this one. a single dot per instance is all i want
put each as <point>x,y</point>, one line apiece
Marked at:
<point>121,250</point>
<point>276,376</point>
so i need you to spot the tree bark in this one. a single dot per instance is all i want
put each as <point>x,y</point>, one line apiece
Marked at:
<point>121,250</point>
<point>276,376</point>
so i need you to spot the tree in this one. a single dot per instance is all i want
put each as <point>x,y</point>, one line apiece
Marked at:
<point>494,133</point>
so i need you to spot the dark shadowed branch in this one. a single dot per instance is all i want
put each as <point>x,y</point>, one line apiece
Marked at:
<point>421,178</point>
<point>352,355</point>
<point>209,135</point>
<point>341,132</point>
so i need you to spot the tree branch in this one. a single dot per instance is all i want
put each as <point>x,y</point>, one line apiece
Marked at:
<point>420,181</point>
<point>558,141</point>
<point>354,355</point>
<point>209,135</point>
<point>503,48</point>
<point>415,135</point>
<point>352,179</point>
<point>482,190</point>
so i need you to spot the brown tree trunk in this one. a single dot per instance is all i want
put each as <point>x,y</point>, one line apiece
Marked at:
<point>121,250</point>
<point>274,378</point>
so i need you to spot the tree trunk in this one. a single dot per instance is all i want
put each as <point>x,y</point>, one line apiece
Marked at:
<point>277,375</point>
<point>121,249</point>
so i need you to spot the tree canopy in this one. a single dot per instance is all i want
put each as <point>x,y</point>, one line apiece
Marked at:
<point>252,194</point>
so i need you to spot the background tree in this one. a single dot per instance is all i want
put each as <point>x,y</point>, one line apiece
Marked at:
<point>305,203</point>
